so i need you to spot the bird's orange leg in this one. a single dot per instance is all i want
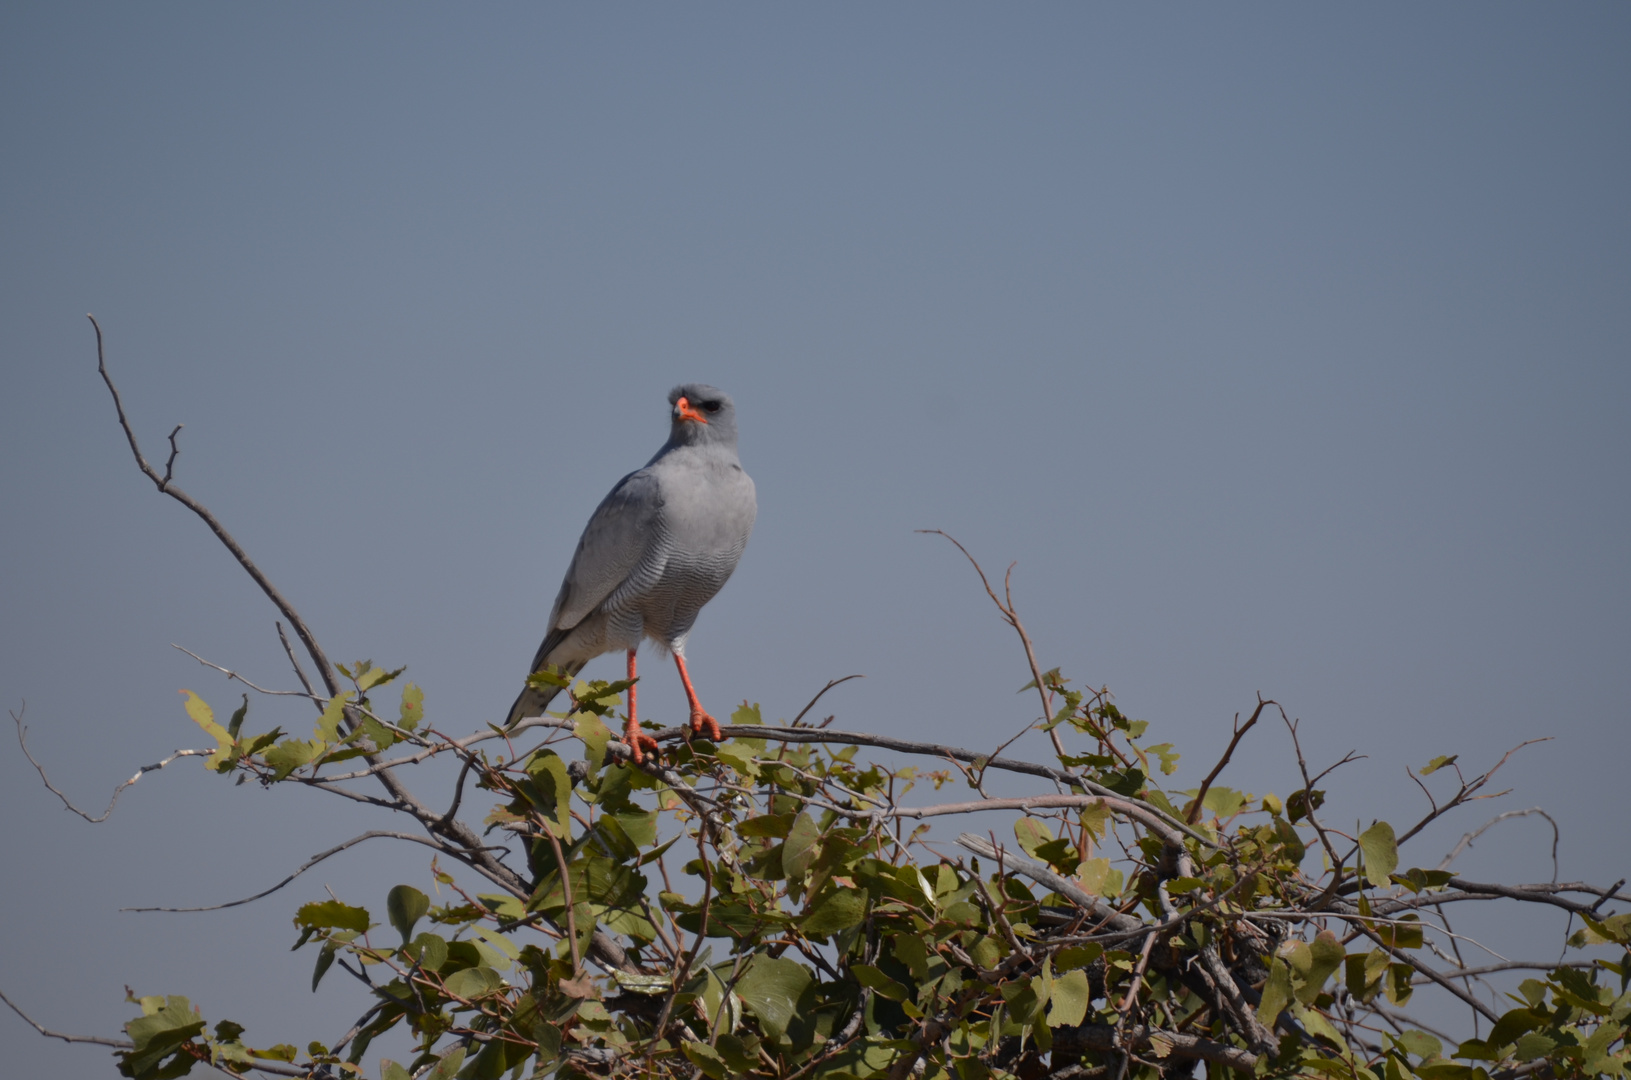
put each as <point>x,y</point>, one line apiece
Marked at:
<point>699,716</point>
<point>637,740</point>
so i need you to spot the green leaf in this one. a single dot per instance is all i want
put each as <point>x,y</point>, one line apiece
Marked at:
<point>412,712</point>
<point>867,975</point>
<point>1438,763</point>
<point>1225,802</point>
<point>390,1070</point>
<point>289,755</point>
<point>332,915</point>
<point>404,906</point>
<point>1169,757</point>
<point>746,715</point>
<point>237,722</point>
<point>1068,1000</point>
<point>641,829</point>
<point>1303,803</point>
<point>800,850</point>
<point>325,960</point>
<point>592,731</point>
<point>1276,993</point>
<point>772,825</point>
<point>770,990</point>
<point>1031,833</point>
<point>429,951</point>
<point>472,982</point>
<point>1419,1043</point>
<point>840,911</point>
<point>204,717</point>
<point>327,728</point>
<point>448,1066</point>
<point>166,1024</point>
<point>550,791</point>
<point>1381,853</point>
<point>1098,878</point>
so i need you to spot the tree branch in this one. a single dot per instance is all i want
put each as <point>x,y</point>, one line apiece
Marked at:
<point>22,740</point>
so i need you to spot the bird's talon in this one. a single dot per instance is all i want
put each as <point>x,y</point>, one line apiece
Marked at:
<point>639,744</point>
<point>701,721</point>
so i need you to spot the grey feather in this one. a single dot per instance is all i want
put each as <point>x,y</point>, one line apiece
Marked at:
<point>659,546</point>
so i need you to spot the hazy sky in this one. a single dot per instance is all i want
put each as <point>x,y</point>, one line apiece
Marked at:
<point>1284,347</point>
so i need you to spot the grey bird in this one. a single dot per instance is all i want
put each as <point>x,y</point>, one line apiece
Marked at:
<point>657,548</point>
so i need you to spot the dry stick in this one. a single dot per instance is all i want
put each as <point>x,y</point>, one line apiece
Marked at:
<point>684,972</point>
<point>405,800</point>
<point>819,693</point>
<point>234,675</point>
<point>1058,883</point>
<point>126,1044</point>
<point>1011,617</point>
<point>22,740</point>
<point>1466,841</point>
<point>1031,802</point>
<point>1194,814</point>
<point>1468,788</point>
<point>294,662</point>
<point>566,894</point>
<point>307,865</point>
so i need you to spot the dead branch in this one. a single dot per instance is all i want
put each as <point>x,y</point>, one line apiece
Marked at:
<point>1194,814</point>
<point>22,740</point>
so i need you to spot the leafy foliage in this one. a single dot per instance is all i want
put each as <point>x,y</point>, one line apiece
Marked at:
<point>757,908</point>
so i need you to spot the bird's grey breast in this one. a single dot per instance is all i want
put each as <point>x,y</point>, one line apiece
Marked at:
<point>708,509</point>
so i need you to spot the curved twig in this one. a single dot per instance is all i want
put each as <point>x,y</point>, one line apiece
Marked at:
<point>22,740</point>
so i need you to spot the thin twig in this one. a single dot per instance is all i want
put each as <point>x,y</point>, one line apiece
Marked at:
<point>118,1044</point>
<point>234,675</point>
<point>22,740</point>
<point>307,865</point>
<point>1194,814</point>
<point>1466,841</point>
<point>1011,617</point>
<point>830,684</point>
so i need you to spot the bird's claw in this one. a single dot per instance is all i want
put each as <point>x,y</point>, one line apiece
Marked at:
<point>701,721</point>
<point>639,743</point>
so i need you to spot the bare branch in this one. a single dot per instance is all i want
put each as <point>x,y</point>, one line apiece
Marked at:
<point>234,675</point>
<point>1011,617</point>
<point>1058,883</point>
<point>307,865</point>
<point>22,740</point>
<point>294,662</point>
<point>1466,841</point>
<point>460,833</point>
<point>1206,785</point>
<point>118,1044</point>
<point>819,693</point>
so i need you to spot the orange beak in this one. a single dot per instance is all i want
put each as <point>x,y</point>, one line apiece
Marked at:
<point>683,409</point>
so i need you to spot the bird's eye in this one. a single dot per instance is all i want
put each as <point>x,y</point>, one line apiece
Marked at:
<point>710,406</point>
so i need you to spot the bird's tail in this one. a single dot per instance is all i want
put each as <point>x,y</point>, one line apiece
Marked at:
<point>534,700</point>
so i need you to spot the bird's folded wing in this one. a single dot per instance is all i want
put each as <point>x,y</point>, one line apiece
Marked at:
<point>617,540</point>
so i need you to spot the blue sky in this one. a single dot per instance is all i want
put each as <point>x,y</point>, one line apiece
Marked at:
<point>1285,348</point>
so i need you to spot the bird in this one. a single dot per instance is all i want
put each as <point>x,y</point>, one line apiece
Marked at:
<point>659,546</point>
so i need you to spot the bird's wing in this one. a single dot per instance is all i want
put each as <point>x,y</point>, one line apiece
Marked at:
<point>615,543</point>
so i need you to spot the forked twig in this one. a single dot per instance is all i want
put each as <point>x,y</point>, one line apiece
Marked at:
<point>22,740</point>
<point>1194,814</point>
<point>1011,617</point>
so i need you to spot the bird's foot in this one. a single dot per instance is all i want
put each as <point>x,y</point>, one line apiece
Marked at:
<point>640,744</point>
<point>701,723</point>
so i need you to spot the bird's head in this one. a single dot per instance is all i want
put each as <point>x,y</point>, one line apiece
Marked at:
<point>701,414</point>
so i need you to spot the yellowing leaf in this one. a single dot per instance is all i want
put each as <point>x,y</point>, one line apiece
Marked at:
<point>1069,999</point>
<point>204,717</point>
<point>1381,853</point>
